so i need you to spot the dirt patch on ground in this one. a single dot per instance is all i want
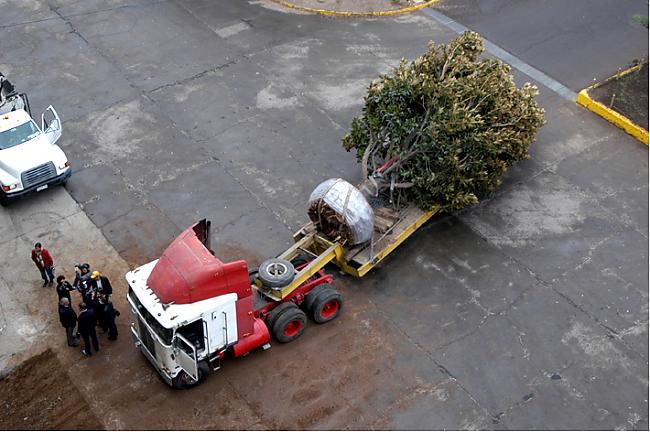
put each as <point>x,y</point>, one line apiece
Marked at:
<point>627,95</point>
<point>39,395</point>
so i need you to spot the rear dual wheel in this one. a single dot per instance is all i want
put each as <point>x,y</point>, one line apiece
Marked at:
<point>323,303</point>
<point>286,322</point>
<point>327,306</point>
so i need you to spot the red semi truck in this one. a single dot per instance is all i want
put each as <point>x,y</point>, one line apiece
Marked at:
<point>191,309</point>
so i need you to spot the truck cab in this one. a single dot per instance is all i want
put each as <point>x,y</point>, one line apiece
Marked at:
<point>180,340</point>
<point>188,308</point>
<point>30,160</point>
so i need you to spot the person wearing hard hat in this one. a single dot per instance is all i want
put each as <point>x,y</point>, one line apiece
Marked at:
<point>101,284</point>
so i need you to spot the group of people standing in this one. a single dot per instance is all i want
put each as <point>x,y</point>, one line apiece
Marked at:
<point>95,308</point>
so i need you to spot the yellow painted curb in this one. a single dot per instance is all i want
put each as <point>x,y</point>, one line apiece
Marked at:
<point>609,114</point>
<point>327,12</point>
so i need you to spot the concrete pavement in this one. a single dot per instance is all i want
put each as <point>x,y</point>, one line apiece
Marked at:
<point>29,321</point>
<point>528,311</point>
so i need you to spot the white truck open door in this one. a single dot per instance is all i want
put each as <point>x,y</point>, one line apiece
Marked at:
<point>51,124</point>
<point>185,353</point>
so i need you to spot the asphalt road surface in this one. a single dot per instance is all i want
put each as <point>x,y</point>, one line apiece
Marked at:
<point>529,311</point>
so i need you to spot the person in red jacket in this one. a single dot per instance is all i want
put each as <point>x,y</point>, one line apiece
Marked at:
<point>44,263</point>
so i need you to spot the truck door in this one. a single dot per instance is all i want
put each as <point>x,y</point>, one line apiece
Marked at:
<point>185,353</point>
<point>223,327</point>
<point>51,124</point>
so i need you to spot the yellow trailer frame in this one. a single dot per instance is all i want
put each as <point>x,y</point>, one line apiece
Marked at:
<point>355,261</point>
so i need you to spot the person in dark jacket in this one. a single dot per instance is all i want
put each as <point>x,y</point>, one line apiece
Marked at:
<point>108,316</point>
<point>102,284</point>
<point>68,318</point>
<point>87,324</point>
<point>98,310</point>
<point>82,281</point>
<point>63,288</point>
<point>44,263</point>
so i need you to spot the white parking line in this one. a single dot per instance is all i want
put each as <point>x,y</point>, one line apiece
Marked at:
<point>502,54</point>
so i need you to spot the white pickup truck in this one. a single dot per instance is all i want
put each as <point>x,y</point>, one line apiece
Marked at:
<point>30,160</point>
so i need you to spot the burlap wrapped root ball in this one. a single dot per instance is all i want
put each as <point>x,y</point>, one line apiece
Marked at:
<point>339,210</point>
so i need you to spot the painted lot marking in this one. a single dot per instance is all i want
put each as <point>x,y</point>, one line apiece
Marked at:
<point>502,54</point>
<point>231,30</point>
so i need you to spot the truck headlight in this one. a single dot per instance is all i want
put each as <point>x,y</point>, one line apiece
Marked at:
<point>10,187</point>
<point>64,166</point>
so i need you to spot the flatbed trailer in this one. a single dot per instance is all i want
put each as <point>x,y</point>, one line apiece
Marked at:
<point>392,228</point>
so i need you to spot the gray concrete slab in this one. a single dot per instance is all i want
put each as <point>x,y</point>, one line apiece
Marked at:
<point>378,373</point>
<point>591,357</point>
<point>499,377</point>
<point>171,29</point>
<point>19,12</point>
<point>547,224</point>
<point>610,287</point>
<point>52,45</point>
<point>565,40</point>
<point>443,407</point>
<point>616,173</point>
<point>554,404</point>
<point>234,110</point>
<point>141,234</point>
<point>28,312</point>
<point>251,29</point>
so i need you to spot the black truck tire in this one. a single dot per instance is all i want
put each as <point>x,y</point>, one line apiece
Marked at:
<point>276,273</point>
<point>289,325</point>
<point>310,298</point>
<point>327,306</point>
<point>276,312</point>
<point>184,381</point>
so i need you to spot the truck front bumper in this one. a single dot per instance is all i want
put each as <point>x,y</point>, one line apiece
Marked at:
<point>13,196</point>
<point>150,357</point>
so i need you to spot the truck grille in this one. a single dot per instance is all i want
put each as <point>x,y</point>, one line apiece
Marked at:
<point>146,338</point>
<point>38,175</point>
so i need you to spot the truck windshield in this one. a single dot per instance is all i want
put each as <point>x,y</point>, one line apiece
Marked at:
<point>163,333</point>
<point>18,135</point>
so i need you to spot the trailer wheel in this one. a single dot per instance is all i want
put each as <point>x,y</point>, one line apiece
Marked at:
<point>276,273</point>
<point>290,325</point>
<point>184,381</point>
<point>275,313</point>
<point>311,297</point>
<point>327,306</point>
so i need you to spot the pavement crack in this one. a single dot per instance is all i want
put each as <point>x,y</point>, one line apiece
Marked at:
<point>277,216</point>
<point>22,23</point>
<point>198,75</point>
<point>466,335</point>
<point>552,285</point>
<point>67,21</point>
<point>443,369</point>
